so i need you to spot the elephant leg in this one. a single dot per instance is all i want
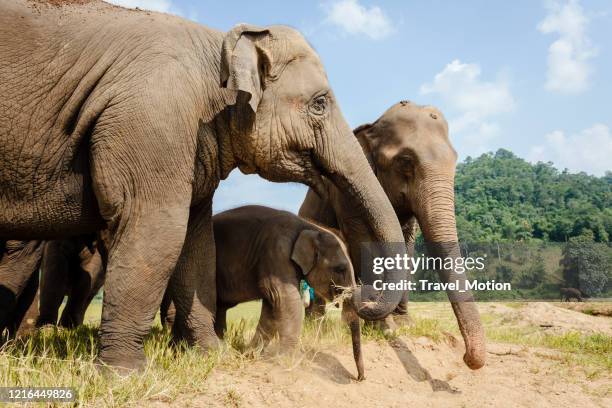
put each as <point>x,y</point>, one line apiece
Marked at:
<point>88,278</point>
<point>193,283</point>
<point>25,304</point>
<point>167,312</point>
<point>55,269</point>
<point>78,301</point>
<point>141,251</point>
<point>289,320</point>
<point>316,308</point>
<point>400,314</point>
<point>19,262</point>
<point>28,323</point>
<point>221,320</point>
<point>266,328</point>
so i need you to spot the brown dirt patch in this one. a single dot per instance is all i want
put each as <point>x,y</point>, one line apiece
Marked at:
<point>590,308</point>
<point>60,3</point>
<point>405,372</point>
<point>555,316</point>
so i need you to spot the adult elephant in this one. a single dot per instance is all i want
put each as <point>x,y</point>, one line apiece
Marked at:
<point>410,152</point>
<point>127,120</point>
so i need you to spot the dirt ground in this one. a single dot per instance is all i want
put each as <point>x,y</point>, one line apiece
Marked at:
<point>421,373</point>
<point>592,308</point>
<point>556,317</point>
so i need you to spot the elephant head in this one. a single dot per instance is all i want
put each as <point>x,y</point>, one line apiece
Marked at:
<point>412,156</point>
<point>324,260</point>
<point>287,126</point>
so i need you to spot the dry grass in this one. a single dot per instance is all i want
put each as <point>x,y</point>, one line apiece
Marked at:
<point>58,357</point>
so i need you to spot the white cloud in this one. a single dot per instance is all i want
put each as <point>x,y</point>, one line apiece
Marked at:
<point>590,150</point>
<point>473,102</point>
<point>239,189</point>
<point>165,6</point>
<point>354,18</point>
<point>569,56</point>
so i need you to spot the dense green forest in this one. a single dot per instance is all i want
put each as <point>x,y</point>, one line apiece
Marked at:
<point>501,197</point>
<point>539,228</point>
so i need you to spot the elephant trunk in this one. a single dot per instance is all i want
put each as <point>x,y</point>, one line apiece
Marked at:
<point>345,165</point>
<point>350,316</point>
<point>437,221</point>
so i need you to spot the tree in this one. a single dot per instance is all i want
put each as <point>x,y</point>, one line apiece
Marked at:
<point>533,276</point>
<point>587,265</point>
<point>503,273</point>
<point>501,197</point>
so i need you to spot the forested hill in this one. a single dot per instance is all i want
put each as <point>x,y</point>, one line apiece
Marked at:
<point>501,197</point>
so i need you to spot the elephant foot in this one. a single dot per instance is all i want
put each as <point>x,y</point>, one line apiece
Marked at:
<point>205,340</point>
<point>121,364</point>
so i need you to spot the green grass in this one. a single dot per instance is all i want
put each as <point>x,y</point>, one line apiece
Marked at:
<point>588,350</point>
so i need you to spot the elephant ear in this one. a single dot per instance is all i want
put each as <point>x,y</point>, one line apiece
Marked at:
<point>305,250</point>
<point>362,128</point>
<point>366,136</point>
<point>245,61</point>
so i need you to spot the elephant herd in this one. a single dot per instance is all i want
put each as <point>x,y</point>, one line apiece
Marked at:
<point>116,127</point>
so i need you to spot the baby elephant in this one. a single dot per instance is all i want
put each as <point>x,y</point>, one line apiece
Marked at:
<point>263,253</point>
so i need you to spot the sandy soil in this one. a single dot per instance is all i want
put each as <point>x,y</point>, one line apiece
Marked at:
<point>420,373</point>
<point>592,308</point>
<point>405,372</point>
<point>557,317</point>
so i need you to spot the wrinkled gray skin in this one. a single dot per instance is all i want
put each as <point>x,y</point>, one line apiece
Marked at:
<point>71,268</point>
<point>19,263</point>
<point>263,253</point>
<point>409,149</point>
<point>127,120</point>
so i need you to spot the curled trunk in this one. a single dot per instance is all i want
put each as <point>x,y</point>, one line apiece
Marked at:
<point>346,166</point>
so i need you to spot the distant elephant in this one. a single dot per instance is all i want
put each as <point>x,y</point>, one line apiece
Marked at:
<point>71,268</point>
<point>568,293</point>
<point>410,152</point>
<point>263,253</point>
<point>127,120</point>
<point>19,263</point>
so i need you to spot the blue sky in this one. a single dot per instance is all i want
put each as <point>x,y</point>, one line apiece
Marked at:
<point>530,76</point>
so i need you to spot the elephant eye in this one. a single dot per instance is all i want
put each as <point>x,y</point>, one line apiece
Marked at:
<point>405,162</point>
<point>340,269</point>
<point>318,106</point>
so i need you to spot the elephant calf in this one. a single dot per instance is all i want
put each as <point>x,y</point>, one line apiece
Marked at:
<point>263,253</point>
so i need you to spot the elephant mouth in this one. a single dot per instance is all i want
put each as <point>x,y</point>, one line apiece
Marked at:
<point>337,294</point>
<point>336,290</point>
